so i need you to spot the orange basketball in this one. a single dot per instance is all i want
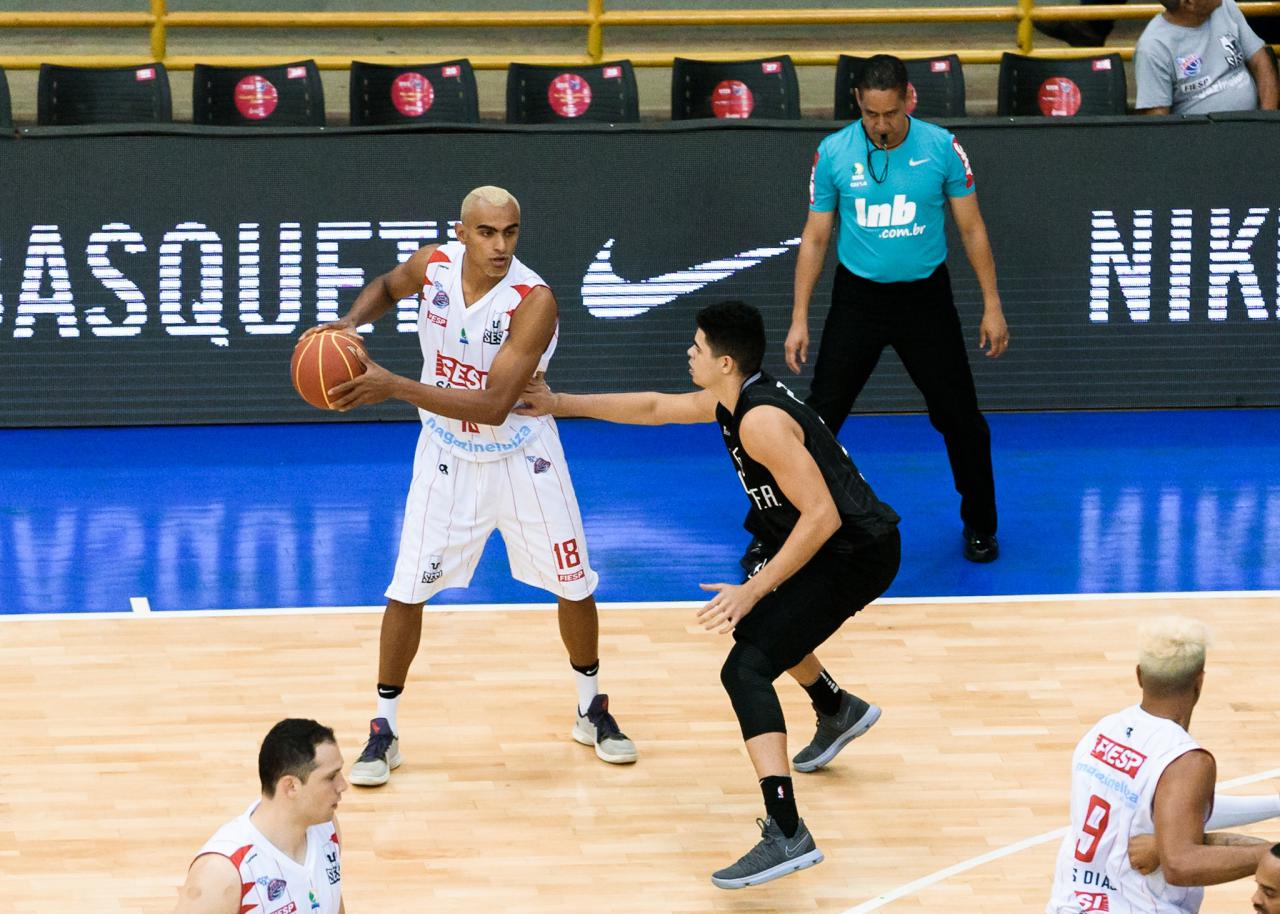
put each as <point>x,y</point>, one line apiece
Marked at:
<point>323,361</point>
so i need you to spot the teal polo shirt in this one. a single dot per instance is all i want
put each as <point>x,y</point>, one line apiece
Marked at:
<point>892,230</point>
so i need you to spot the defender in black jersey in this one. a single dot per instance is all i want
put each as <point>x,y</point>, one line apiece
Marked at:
<point>833,547</point>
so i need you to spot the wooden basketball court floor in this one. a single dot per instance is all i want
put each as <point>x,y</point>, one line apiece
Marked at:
<point>129,740</point>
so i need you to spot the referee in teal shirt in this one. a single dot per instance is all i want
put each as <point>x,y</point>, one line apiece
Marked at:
<point>889,176</point>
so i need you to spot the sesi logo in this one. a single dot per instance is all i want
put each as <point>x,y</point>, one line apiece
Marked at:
<point>1118,756</point>
<point>1093,901</point>
<point>459,374</point>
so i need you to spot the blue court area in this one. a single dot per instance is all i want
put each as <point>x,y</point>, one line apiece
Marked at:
<point>308,515</point>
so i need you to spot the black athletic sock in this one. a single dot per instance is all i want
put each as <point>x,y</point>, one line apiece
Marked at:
<point>389,691</point>
<point>825,694</point>
<point>780,803</point>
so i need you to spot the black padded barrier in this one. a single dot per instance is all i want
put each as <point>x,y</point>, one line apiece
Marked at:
<point>168,282</point>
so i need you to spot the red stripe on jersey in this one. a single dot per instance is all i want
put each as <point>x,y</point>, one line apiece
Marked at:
<point>438,256</point>
<point>523,290</point>
<point>238,857</point>
<point>964,160</point>
<point>334,838</point>
<point>245,889</point>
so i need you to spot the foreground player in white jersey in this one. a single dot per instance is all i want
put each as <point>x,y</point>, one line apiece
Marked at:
<point>1139,772</point>
<point>283,854</point>
<point>488,325</point>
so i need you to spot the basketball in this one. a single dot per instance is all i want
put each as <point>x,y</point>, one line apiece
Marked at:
<point>324,360</point>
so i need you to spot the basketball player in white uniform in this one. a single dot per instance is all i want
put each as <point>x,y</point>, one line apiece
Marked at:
<point>488,325</point>
<point>283,855</point>
<point>1139,772</point>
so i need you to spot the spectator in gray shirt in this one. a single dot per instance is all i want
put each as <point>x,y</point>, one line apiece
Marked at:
<point>1200,57</point>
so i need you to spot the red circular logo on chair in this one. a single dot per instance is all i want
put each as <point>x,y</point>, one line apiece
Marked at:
<point>569,95</point>
<point>732,98</point>
<point>912,98</point>
<point>1059,97</point>
<point>412,94</point>
<point>255,97</point>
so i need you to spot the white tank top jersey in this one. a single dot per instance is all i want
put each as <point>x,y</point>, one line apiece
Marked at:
<point>271,882</point>
<point>458,348</point>
<point>1114,772</point>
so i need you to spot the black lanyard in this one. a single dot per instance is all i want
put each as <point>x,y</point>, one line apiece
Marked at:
<point>871,169</point>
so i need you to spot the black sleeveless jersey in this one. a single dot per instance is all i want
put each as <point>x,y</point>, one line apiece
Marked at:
<point>863,516</point>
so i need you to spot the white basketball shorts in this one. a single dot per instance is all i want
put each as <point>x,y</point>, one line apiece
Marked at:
<point>454,505</point>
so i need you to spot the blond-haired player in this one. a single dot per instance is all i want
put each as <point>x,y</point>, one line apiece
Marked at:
<point>488,325</point>
<point>1137,772</point>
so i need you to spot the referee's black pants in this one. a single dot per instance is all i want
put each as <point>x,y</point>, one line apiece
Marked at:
<point>919,320</point>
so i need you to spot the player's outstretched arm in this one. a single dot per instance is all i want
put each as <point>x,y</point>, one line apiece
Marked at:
<point>212,887</point>
<point>380,295</point>
<point>1182,796</point>
<point>1231,811</point>
<point>641,408</point>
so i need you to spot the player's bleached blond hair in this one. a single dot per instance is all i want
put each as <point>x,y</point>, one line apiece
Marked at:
<point>1171,653</point>
<point>494,196</point>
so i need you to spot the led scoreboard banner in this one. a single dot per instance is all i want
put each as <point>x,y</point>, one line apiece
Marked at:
<point>164,278</point>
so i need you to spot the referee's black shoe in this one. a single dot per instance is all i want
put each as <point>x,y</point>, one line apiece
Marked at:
<point>979,547</point>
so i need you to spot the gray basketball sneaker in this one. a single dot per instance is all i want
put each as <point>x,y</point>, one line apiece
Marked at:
<point>775,856</point>
<point>598,728</point>
<point>381,754</point>
<point>835,731</point>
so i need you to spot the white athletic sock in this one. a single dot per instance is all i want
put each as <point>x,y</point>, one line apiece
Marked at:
<point>588,686</point>
<point>387,708</point>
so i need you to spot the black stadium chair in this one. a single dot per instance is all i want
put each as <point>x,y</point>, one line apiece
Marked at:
<point>1060,88</point>
<point>734,89</point>
<point>6,114</point>
<point>428,93</point>
<point>103,95</point>
<point>601,93</point>
<point>289,95</point>
<point>935,87</point>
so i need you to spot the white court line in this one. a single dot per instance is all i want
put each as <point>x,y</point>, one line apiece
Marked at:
<point>629,605</point>
<point>336,610</point>
<point>140,605</point>
<point>880,901</point>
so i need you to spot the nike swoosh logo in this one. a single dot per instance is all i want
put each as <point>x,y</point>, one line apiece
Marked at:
<point>608,295</point>
<point>791,850</point>
<point>914,162</point>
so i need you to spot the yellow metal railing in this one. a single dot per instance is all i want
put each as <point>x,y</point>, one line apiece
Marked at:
<point>594,18</point>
